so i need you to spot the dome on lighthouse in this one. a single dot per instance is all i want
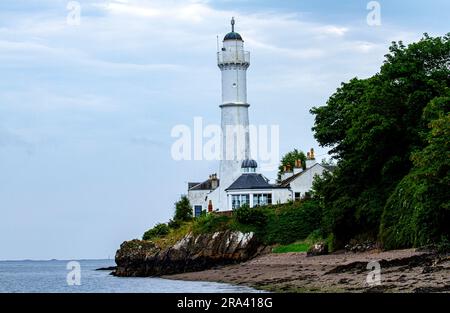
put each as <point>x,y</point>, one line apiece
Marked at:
<point>232,36</point>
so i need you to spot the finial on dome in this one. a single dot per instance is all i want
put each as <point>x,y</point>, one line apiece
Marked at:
<point>232,24</point>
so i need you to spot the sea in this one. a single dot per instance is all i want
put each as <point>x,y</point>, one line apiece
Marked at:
<point>81,276</point>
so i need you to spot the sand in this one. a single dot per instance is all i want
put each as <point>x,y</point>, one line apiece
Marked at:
<point>401,271</point>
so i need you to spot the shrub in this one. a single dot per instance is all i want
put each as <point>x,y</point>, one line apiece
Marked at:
<point>209,223</point>
<point>292,222</point>
<point>251,216</point>
<point>160,230</point>
<point>174,224</point>
<point>183,210</point>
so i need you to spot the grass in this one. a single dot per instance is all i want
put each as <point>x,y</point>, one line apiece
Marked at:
<point>174,235</point>
<point>293,247</point>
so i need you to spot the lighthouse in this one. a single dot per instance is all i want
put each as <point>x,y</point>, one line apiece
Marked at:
<point>233,62</point>
<point>239,182</point>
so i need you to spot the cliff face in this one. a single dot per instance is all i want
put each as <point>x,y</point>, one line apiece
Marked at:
<point>192,253</point>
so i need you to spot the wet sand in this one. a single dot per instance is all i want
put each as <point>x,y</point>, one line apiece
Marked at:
<point>401,271</point>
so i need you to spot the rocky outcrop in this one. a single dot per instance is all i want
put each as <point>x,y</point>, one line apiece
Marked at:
<point>319,248</point>
<point>191,253</point>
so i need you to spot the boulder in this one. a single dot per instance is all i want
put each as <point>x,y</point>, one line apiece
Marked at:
<point>191,253</point>
<point>319,248</point>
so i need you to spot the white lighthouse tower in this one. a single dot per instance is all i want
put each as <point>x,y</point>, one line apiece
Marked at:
<point>233,62</point>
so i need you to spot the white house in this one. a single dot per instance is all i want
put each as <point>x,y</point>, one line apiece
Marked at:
<point>300,180</point>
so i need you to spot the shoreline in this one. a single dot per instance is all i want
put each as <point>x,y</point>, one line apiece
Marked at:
<point>405,270</point>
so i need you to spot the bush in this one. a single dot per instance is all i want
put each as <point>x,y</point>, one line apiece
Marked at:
<point>174,224</point>
<point>160,230</point>
<point>251,216</point>
<point>413,216</point>
<point>293,222</point>
<point>443,245</point>
<point>209,223</point>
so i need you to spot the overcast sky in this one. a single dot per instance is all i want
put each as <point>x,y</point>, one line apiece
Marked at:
<point>86,111</point>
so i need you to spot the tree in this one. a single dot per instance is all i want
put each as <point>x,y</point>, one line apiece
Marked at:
<point>418,211</point>
<point>160,230</point>
<point>375,128</point>
<point>183,210</point>
<point>289,159</point>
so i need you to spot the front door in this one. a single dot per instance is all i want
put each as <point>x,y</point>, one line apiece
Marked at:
<point>197,210</point>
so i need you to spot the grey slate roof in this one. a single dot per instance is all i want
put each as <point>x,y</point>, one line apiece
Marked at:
<point>206,185</point>
<point>251,181</point>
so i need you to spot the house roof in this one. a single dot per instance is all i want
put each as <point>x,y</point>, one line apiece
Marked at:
<point>287,181</point>
<point>251,181</point>
<point>206,185</point>
<point>191,184</point>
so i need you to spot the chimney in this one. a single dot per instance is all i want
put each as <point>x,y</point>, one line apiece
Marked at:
<point>287,172</point>
<point>310,159</point>
<point>214,181</point>
<point>298,166</point>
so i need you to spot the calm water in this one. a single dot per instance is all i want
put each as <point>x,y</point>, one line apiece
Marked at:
<point>50,276</point>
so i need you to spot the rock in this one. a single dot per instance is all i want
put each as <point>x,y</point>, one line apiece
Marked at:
<point>191,253</point>
<point>360,246</point>
<point>317,249</point>
<point>109,268</point>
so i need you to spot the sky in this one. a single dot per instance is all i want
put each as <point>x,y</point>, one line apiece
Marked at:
<point>86,110</point>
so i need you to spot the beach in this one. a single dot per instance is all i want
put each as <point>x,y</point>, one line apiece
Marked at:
<point>405,270</point>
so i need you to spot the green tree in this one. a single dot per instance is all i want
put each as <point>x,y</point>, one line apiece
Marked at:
<point>418,211</point>
<point>289,160</point>
<point>183,210</point>
<point>374,128</point>
<point>160,230</point>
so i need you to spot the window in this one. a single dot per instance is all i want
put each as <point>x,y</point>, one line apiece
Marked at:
<point>238,200</point>
<point>297,196</point>
<point>262,199</point>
